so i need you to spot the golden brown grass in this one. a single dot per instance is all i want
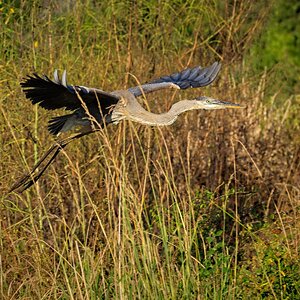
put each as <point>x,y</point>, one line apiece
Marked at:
<point>207,208</point>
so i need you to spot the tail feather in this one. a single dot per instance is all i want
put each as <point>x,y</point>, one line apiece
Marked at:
<point>56,124</point>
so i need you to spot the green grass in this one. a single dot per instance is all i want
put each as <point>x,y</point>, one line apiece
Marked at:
<point>204,209</point>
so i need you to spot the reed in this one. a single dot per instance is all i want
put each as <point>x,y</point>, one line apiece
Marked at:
<point>205,209</point>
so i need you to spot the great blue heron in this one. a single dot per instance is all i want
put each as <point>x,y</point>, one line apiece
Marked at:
<point>92,108</point>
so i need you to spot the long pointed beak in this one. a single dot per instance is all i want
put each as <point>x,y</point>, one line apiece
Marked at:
<point>225,104</point>
<point>211,103</point>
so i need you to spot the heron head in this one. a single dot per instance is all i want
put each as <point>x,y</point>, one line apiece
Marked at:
<point>211,103</point>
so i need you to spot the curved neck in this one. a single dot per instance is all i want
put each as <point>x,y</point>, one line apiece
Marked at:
<point>138,114</point>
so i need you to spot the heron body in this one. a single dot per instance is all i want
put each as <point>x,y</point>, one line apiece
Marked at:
<point>91,108</point>
<point>94,107</point>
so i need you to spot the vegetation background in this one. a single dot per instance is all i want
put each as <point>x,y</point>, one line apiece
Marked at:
<point>205,209</point>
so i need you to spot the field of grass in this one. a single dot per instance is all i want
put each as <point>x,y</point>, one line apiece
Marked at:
<point>207,208</point>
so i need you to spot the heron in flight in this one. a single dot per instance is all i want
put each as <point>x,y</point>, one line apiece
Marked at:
<point>92,108</point>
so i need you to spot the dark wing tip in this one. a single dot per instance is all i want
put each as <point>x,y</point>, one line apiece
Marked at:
<point>192,78</point>
<point>57,93</point>
<point>48,93</point>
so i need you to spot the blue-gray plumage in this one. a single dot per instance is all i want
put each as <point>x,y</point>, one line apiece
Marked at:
<point>192,78</point>
<point>188,78</point>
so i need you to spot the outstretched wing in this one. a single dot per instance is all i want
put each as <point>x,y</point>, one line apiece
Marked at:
<point>188,78</point>
<point>54,94</point>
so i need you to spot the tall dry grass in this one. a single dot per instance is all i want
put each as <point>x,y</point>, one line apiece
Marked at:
<point>207,208</point>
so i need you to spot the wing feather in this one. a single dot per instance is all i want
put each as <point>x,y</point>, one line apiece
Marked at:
<point>188,78</point>
<point>184,75</point>
<point>175,77</point>
<point>54,94</point>
<point>197,77</point>
<point>194,73</point>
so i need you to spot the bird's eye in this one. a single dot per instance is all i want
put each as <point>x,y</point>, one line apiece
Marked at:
<point>207,101</point>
